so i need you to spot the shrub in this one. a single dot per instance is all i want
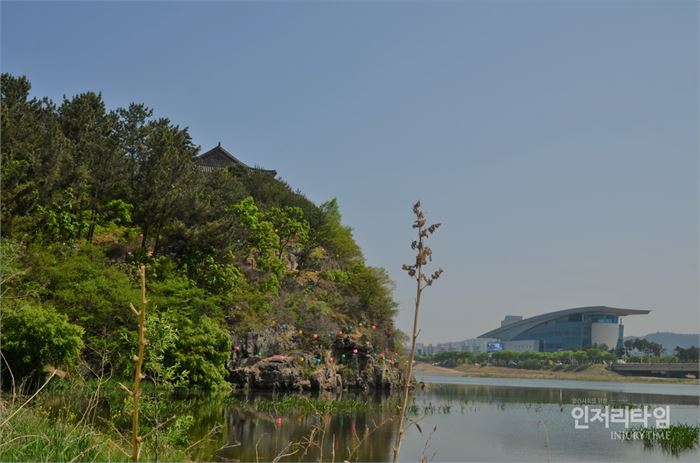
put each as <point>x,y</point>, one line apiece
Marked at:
<point>34,336</point>
<point>202,350</point>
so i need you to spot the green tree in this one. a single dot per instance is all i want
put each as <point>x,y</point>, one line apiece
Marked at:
<point>99,165</point>
<point>335,236</point>
<point>369,292</point>
<point>258,242</point>
<point>35,336</point>
<point>645,346</point>
<point>132,135</point>
<point>291,227</point>
<point>581,357</point>
<point>163,172</point>
<point>35,156</point>
<point>594,355</point>
<point>202,345</point>
<point>202,349</point>
<point>59,221</point>
<point>93,294</point>
<point>691,354</point>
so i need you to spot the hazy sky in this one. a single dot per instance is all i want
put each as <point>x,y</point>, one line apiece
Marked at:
<point>557,143</point>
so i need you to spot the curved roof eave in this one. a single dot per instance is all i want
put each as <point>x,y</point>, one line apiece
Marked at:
<point>512,330</point>
<point>234,159</point>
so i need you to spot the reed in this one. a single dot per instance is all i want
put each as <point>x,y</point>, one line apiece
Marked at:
<point>674,439</point>
<point>309,406</point>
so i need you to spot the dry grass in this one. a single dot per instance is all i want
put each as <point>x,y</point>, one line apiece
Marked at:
<point>592,373</point>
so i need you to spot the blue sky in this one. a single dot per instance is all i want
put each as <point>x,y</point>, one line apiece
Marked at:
<point>557,142</point>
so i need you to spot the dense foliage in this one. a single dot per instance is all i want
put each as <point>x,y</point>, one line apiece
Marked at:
<point>528,360</point>
<point>691,354</point>
<point>643,346</point>
<point>36,336</point>
<point>89,194</point>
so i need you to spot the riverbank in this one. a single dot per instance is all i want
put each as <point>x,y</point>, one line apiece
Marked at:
<point>592,373</point>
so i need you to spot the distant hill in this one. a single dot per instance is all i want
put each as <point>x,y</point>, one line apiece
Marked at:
<point>671,340</point>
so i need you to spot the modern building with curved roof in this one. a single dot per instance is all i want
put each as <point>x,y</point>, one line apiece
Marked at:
<point>579,327</point>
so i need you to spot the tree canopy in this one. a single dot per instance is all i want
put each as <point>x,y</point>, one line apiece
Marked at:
<point>91,193</point>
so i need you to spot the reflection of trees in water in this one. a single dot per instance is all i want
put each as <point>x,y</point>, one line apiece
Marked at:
<point>343,435</point>
<point>244,426</point>
<point>475,394</point>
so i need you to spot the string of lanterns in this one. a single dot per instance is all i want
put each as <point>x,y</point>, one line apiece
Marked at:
<point>343,331</point>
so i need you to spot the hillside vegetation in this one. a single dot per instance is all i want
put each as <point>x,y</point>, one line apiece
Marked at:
<point>89,194</point>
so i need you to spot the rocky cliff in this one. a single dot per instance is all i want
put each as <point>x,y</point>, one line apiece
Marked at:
<point>285,359</point>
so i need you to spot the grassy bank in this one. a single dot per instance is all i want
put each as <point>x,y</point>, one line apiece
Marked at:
<point>32,434</point>
<point>75,420</point>
<point>34,437</point>
<point>592,373</point>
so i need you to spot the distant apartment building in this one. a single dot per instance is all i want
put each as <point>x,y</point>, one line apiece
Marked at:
<point>474,345</point>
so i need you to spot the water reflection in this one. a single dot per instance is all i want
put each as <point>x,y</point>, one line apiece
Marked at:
<point>501,394</point>
<point>474,423</point>
<point>363,437</point>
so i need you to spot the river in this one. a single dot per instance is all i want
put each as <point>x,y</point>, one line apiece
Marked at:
<point>459,419</point>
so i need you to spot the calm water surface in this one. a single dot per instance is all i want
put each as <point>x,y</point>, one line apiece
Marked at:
<point>475,419</point>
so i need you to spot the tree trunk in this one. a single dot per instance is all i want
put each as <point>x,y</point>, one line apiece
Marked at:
<point>144,238</point>
<point>156,242</point>
<point>91,228</point>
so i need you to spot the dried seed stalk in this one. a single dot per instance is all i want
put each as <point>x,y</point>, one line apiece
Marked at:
<point>423,256</point>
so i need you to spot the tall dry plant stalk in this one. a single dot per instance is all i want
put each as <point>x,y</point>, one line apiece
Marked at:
<point>417,271</point>
<point>135,393</point>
